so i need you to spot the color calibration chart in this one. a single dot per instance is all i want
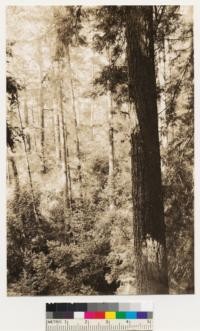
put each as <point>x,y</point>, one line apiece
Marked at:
<point>99,316</point>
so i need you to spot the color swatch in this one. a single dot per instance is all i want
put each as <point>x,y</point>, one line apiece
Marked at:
<point>91,311</point>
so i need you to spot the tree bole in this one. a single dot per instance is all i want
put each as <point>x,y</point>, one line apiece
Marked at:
<point>149,226</point>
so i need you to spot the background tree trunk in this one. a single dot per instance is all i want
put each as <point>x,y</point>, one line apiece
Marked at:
<point>92,101</point>
<point>149,226</point>
<point>34,135</point>
<point>69,179</point>
<point>79,167</point>
<point>58,135</point>
<point>27,161</point>
<point>26,121</point>
<point>15,176</point>
<point>67,201</point>
<point>111,178</point>
<point>41,103</point>
<point>58,146</point>
<point>26,114</point>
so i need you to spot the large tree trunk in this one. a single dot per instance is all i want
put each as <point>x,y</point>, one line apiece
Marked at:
<point>149,226</point>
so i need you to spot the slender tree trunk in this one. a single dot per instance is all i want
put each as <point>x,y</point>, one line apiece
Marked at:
<point>68,170</point>
<point>33,121</point>
<point>67,201</point>
<point>53,119</point>
<point>14,171</point>
<point>79,167</point>
<point>44,169</point>
<point>8,177</point>
<point>58,147</point>
<point>111,178</point>
<point>92,101</point>
<point>42,116</point>
<point>69,180</point>
<point>56,129</point>
<point>28,163</point>
<point>59,136</point>
<point>92,119</point>
<point>26,121</point>
<point>163,104</point>
<point>26,115</point>
<point>149,226</point>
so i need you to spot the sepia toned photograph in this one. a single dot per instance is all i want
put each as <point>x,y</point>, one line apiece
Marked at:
<point>100,150</point>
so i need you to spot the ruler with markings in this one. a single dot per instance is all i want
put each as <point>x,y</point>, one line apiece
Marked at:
<point>99,317</point>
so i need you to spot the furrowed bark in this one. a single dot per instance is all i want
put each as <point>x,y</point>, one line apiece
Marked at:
<point>149,226</point>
